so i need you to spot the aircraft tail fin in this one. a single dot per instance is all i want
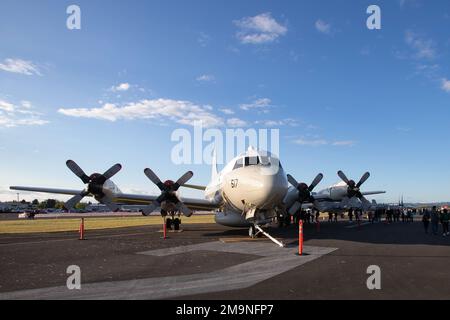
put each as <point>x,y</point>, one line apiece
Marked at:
<point>214,172</point>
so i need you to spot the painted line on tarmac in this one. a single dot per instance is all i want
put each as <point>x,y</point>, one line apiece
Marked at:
<point>272,261</point>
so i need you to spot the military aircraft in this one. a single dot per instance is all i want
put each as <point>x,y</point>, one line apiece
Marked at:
<point>251,191</point>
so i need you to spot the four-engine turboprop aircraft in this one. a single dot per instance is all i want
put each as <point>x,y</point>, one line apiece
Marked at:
<point>251,190</point>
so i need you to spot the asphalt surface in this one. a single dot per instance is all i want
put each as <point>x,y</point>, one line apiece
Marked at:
<point>414,265</point>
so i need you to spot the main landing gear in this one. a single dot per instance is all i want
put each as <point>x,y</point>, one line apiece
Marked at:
<point>173,222</point>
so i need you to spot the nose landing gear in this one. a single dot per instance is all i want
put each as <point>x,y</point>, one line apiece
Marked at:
<point>256,231</point>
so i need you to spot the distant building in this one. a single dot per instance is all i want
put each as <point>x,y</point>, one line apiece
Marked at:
<point>14,206</point>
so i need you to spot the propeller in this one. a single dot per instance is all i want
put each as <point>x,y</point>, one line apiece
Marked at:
<point>168,192</point>
<point>353,189</point>
<point>304,191</point>
<point>94,186</point>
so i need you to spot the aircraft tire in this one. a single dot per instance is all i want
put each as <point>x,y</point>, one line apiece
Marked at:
<point>176,224</point>
<point>169,223</point>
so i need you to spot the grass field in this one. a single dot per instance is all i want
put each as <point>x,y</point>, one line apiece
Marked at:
<point>59,225</point>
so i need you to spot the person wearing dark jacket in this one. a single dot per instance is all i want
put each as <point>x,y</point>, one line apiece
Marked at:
<point>445,217</point>
<point>426,220</point>
<point>434,221</point>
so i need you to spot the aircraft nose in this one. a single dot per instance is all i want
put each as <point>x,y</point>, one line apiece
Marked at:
<point>266,188</point>
<point>257,186</point>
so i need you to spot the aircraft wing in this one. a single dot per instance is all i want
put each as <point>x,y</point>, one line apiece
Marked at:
<point>369,193</point>
<point>47,190</point>
<point>144,200</point>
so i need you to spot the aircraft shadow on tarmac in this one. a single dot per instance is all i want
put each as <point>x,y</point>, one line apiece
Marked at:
<point>378,233</point>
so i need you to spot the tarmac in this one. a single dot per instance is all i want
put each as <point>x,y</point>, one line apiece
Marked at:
<point>209,261</point>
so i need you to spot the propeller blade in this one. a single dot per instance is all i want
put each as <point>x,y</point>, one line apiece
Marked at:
<point>366,204</point>
<point>184,178</point>
<point>295,207</point>
<point>363,179</point>
<point>343,176</point>
<point>150,208</point>
<point>154,178</point>
<point>72,202</point>
<point>184,209</point>
<point>112,171</point>
<point>78,171</point>
<point>292,181</point>
<point>316,181</point>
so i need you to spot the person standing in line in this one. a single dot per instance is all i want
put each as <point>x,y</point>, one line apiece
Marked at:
<point>434,221</point>
<point>445,217</point>
<point>426,220</point>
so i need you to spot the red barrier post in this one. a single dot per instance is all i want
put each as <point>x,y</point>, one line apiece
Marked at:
<point>165,229</point>
<point>81,231</point>
<point>300,237</point>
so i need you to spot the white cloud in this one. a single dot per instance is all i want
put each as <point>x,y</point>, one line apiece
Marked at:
<point>323,27</point>
<point>278,123</point>
<point>183,112</point>
<point>203,39</point>
<point>424,48</point>
<point>6,106</point>
<point>344,143</point>
<point>259,29</point>
<point>205,78</point>
<point>236,123</point>
<point>19,66</point>
<point>262,104</point>
<point>403,129</point>
<point>12,115</point>
<point>226,111</point>
<point>445,85</point>
<point>315,142</point>
<point>26,104</point>
<point>312,142</point>
<point>121,87</point>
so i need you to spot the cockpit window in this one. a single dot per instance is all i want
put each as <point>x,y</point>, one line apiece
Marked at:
<point>251,161</point>
<point>239,164</point>
<point>265,160</point>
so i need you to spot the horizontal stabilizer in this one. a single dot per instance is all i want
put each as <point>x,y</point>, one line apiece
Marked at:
<point>368,193</point>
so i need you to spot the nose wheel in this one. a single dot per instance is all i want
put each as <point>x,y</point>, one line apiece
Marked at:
<point>252,232</point>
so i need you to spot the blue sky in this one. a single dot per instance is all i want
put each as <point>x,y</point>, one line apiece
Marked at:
<point>342,96</point>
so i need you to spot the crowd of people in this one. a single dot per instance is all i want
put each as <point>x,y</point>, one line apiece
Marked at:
<point>433,217</point>
<point>394,214</point>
